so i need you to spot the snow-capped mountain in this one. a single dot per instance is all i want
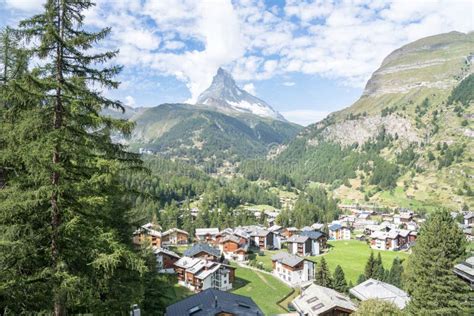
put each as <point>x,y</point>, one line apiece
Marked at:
<point>224,95</point>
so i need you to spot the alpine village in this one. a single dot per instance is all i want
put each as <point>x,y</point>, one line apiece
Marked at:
<point>220,205</point>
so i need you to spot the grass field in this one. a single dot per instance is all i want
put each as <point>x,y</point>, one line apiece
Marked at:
<point>351,255</point>
<point>264,289</point>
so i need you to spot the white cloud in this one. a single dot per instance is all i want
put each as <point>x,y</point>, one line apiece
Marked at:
<point>130,101</point>
<point>344,40</point>
<point>25,5</point>
<point>250,88</point>
<point>289,83</point>
<point>305,117</point>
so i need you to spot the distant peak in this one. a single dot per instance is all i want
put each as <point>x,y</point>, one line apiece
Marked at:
<point>224,94</point>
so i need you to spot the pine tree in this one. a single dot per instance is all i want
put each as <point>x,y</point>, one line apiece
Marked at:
<point>65,228</point>
<point>370,266</point>
<point>378,271</point>
<point>430,281</point>
<point>322,275</point>
<point>361,279</point>
<point>339,281</point>
<point>396,272</point>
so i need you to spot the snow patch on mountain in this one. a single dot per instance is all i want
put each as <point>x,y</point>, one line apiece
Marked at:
<point>224,95</point>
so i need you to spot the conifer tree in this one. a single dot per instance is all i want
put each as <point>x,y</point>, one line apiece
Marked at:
<point>396,272</point>
<point>65,230</point>
<point>339,281</point>
<point>430,280</point>
<point>378,271</point>
<point>361,278</point>
<point>322,275</point>
<point>370,266</point>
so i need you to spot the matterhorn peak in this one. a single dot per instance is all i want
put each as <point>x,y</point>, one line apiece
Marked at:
<point>223,94</point>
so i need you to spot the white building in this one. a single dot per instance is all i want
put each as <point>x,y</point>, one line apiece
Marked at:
<point>200,274</point>
<point>291,269</point>
<point>318,300</point>
<point>374,289</point>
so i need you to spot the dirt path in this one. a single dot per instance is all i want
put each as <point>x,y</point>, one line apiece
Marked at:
<point>264,280</point>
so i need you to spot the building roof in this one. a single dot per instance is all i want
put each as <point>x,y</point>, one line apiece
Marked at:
<point>213,302</point>
<point>298,239</point>
<point>380,290</point>
<point>317,226</point>
<point>172,230</point>
<point>287,259</point>
<point>274,228</point>
<point>207,231</point>
<point>469,215</point>
<point>197,248</point>
<point>187,262</point>
<point>466,269</point>
<point>149,229</point>
<point>232,238</point>
<point>335,227</point>
<point>312,234</point>
<point>316,300</point>
<point>158,250</point>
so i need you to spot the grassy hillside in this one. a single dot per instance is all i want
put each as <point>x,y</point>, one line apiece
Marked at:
<point>407,142</point>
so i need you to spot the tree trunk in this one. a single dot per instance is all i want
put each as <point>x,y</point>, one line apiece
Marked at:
<point>59,304</point>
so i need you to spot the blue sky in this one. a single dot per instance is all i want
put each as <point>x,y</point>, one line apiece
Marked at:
<point>305,58</point>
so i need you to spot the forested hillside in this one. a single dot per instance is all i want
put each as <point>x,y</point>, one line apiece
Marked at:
<point>407,142</point>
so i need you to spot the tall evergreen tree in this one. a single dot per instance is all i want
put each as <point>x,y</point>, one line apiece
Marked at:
<point>361,278</point>
<point>378,272</point>
<point>396,272</point>
<point>323,275</point>
<point>369,266</point>
<point>65,231</point>
<point>339,282</point>
<point>430,280</point>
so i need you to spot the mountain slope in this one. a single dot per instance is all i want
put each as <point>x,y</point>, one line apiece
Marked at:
<point>408,141</point>
<point>199,134</point>
<point>224,95</point>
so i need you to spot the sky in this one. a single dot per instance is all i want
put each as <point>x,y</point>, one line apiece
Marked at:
<point>305,58</point>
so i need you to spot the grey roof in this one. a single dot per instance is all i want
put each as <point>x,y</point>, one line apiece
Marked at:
<point>233,238</point>
<point>335,227</point>
<point>197,248</point>
<point>312,234</point>
<point>287,259</point>
<point>212,302</point>
<point>157,250</point>
<point>466,269</point>
<point>206,231</point>
<point>380,290</point>
<point>316,300</point>
<point>298,239</point>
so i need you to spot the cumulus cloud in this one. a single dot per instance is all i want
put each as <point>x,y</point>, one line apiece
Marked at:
<point>305,117</point>
<point>338,39</point>
<point>130,101</point>
<point>289,83</point>
<point>250,88</point>
<point>25,5</point>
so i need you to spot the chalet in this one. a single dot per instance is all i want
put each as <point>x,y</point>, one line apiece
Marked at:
<point>148,233</point>
<point>264,239</point>
<point>469,219</point>
<point>203,251</point>
<point>394,239</point>
<point>300,245</point>
<point>165,259</point>
<point>175,236</point>
<point>339,232</point>
<point>318,300</point>
<point>403,217</point>
<point>277,229</point>
<point>374,289</point>
<point>206,234</point>
<point>290,231</point>
<point>200,274</point>
<point>233,247</point>
<point>465,271</point>
<point>318,241</point>
<point>215,302</point>
<point>292,269</point>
